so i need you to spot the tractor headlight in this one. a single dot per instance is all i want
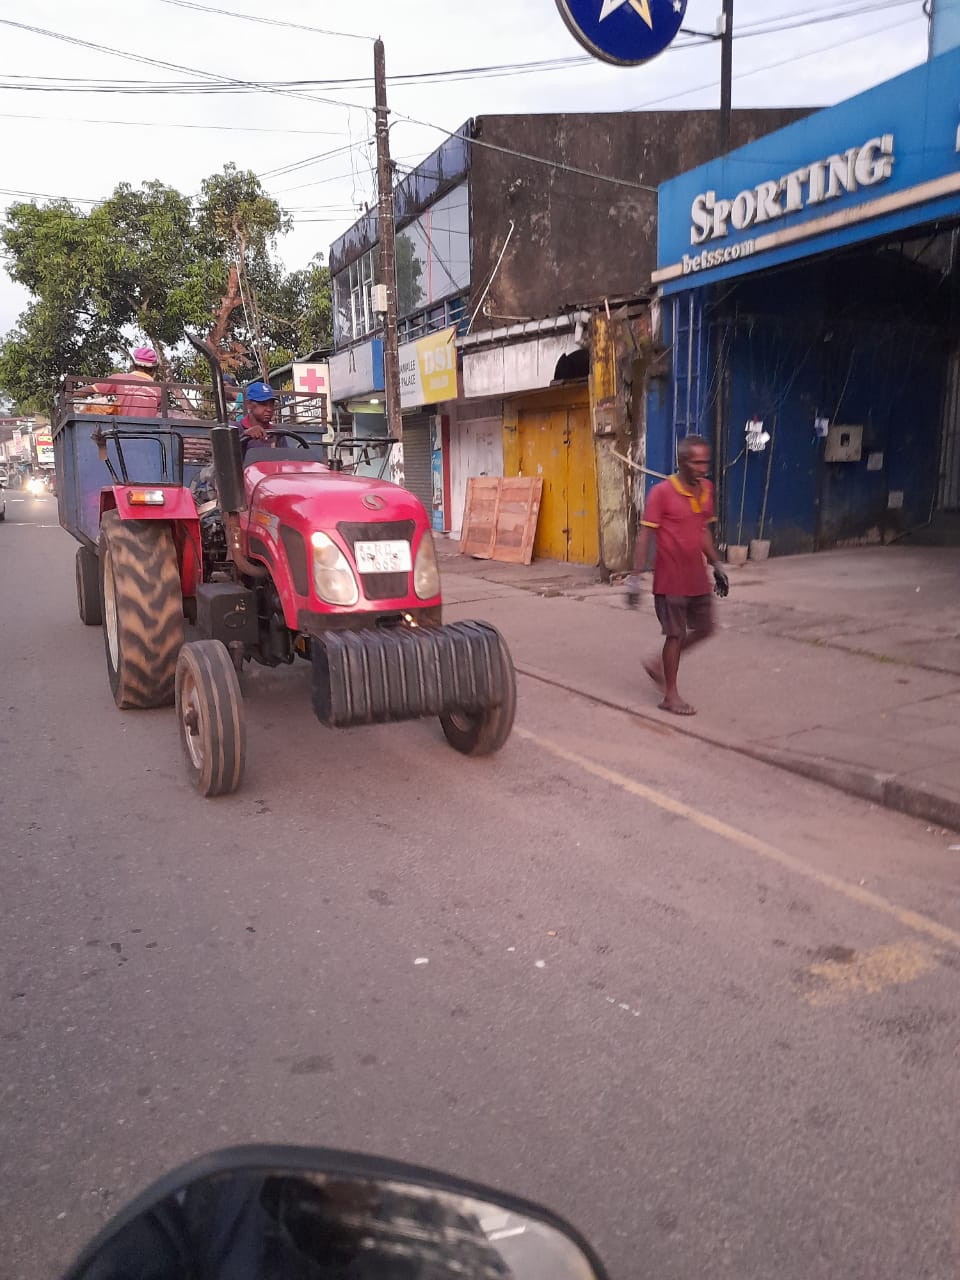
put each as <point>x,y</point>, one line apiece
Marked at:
<point>333,579</point>
<point>426,575</point>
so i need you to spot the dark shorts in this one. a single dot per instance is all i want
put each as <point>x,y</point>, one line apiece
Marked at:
<point>680,614</point>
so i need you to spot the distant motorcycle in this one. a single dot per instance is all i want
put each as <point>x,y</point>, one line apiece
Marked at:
<point>38,486</point>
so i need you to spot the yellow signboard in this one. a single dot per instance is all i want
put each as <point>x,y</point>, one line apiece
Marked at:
<point>428,369</point>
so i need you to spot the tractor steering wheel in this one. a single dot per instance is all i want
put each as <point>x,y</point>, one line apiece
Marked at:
<point>282,431</point>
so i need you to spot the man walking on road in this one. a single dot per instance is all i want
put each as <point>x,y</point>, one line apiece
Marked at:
<point>679,512</point>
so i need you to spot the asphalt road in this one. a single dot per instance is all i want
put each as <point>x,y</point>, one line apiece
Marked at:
<point>706,1010</point>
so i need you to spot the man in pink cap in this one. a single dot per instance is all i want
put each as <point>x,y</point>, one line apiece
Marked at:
<point>137,394</point>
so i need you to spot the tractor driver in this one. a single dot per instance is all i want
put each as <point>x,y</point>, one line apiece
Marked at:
<point>259,400</point>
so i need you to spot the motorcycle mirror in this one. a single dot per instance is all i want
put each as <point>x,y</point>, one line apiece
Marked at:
<point>297,1213</point>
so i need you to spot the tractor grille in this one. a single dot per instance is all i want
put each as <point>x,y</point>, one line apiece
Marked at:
<point>379,586</point>
<point>296,550</point>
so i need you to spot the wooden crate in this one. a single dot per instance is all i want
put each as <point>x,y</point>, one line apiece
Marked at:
<point>500,518</point>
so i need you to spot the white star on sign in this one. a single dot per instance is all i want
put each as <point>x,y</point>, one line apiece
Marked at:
<point>642,7</point>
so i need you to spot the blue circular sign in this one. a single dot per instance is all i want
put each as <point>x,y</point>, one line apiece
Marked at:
<point>625,32</point>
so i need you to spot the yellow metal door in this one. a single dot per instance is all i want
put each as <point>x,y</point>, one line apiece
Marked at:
<point>583,545</point>
<point>555,442</point>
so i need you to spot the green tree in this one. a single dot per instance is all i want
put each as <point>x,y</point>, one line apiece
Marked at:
<point>151,261</point>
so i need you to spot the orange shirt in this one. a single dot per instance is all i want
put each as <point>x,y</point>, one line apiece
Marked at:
<point>679,516</point>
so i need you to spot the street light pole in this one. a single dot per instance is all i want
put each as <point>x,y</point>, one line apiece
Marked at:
<point>388,272</point>
<point>726,75</point>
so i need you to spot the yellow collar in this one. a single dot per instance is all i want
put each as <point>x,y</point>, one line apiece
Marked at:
<point>691,497</point>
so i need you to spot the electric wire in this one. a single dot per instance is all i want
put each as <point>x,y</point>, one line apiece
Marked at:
<point>175,66</point>
<point>796,56</point>
<point>168,124</point>
<point>271,22</point>
<point>767,26</point>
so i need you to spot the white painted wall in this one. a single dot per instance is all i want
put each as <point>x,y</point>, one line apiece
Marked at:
<point>476,449</point>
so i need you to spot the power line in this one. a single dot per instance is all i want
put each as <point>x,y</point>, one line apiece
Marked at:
<point>309,160</point>
<point>480,142</point>
<point>175,66</point>
<point>77,84</point>
<point>45,195</point>
<point>270,22</point>
<point>796,56</point>
<point>773,26</point>
<point>168,124</point>
<point>226,84</point>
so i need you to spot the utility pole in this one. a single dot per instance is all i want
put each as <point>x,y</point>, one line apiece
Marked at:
<point>726,74</point>
<point>388,270</point>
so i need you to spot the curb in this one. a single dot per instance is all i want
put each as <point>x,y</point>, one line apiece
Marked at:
<point>884,789</point>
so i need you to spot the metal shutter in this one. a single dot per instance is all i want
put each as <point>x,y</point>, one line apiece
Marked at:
<point>418,457</point>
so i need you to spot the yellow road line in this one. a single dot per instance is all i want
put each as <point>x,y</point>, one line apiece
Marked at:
<point>855,893</point>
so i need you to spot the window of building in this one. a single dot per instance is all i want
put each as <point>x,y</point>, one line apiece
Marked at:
<point>433,253</point>
<point>353,302</point>
<point>433,272</point>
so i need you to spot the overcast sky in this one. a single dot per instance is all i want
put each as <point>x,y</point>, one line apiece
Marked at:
<point>84,143</point>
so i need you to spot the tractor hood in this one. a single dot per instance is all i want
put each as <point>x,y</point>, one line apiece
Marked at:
<point>309,496</point>
<point>293,506</point>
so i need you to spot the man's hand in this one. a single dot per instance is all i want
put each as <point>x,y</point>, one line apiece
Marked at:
<point>634,586</point>
<point>255,432</point>
<point>721,583</point>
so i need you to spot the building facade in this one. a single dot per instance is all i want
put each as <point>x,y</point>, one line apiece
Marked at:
<point>809,294</point>
<point>525,246</point>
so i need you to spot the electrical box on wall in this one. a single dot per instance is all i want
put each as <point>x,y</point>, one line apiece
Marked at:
<point>605,418</point>
<point>844,444</point>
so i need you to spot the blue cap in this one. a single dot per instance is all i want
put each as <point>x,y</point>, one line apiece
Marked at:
<point>259,392</point>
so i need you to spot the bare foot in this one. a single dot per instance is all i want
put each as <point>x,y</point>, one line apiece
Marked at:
<point>654,669</point>
<point>675,704</point>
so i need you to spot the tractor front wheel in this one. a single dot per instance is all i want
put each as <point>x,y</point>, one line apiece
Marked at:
<point>213,731</point>
<point>142,610</point>
<point>481,733</point>
<point>88,587</point>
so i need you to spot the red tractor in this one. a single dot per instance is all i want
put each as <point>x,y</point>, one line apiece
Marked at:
<point>285,555</point>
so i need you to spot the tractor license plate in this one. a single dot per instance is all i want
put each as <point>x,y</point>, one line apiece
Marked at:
<point>383,557</point>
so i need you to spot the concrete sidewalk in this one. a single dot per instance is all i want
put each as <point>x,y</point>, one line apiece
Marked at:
<point>843,666</point>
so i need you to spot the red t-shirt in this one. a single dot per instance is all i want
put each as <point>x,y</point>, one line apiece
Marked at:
<point>679,515</point>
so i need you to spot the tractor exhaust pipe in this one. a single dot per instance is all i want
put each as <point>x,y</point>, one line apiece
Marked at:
<point>231,526</point>
<point>225,440</point>
<point>216,376</point>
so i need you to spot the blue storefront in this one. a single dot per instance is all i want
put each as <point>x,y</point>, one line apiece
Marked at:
<point>810,292</point>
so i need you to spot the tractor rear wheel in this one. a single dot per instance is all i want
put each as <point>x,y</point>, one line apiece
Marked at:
<point>88,587</point>
<point>213,730</point>
<point>142,610</point>
<point>481,733</point>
